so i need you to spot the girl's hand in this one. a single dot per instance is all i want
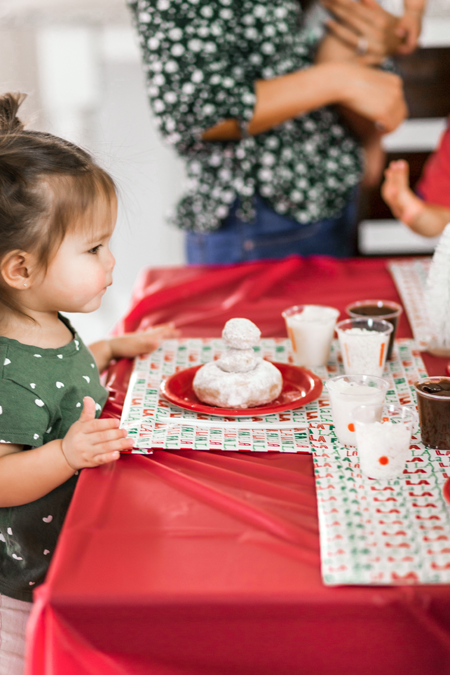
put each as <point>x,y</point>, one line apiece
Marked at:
<point>91,442</point>
<point>365,19</point>
<point>373,94</point>
<point>408,29</point>
<point>134,344</point>
<point>131,344</point>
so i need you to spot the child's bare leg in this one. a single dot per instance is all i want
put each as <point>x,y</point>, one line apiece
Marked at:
<point>397,194</point>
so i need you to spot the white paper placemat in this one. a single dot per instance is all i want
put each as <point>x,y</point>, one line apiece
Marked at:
<point>410,277</point>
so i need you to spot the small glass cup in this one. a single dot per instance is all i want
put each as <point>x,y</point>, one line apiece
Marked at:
<point>434,411</point>
<point>364,345</point>
<point>383,437</point>
<point>311,329</point>
<point>381,309</point>
<point>348,392</point>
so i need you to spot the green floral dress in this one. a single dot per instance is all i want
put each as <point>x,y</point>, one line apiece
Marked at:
<point>201,60</point>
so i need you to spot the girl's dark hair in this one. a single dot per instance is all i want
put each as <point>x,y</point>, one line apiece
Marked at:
<point>47,185</point>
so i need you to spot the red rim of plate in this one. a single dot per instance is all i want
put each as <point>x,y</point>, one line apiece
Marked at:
<point>307,382</point>
<point>446,491</point>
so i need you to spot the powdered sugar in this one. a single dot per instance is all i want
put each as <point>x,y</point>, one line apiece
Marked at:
<point>363,351</point>
<point>241,334</point>
<point>238,360</point>
<point>238,390</point>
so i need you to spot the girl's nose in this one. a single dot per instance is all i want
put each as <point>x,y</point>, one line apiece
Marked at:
<point>111,261</point>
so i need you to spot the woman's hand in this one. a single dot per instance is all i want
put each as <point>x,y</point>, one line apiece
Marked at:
<point>373,94</point>
<point>365,27</point>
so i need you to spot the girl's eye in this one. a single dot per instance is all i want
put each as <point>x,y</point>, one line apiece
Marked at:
<point>95,250</point>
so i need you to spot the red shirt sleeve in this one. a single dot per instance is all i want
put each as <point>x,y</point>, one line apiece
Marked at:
<point>434,185</point>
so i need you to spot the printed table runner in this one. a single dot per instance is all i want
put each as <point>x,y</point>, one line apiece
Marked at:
<point>371,532</point>
<point>410,277</point>
<point>145,413</point>
<point>381,532</point>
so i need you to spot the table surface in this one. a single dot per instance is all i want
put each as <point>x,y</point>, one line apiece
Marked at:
<point>202,562</point>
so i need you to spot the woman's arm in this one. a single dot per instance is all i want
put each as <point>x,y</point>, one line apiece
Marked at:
<point>375,95</point>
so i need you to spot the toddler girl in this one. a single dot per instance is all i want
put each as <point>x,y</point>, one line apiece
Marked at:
<point>57,215</point>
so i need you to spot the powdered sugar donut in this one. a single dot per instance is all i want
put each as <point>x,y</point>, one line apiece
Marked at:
<point>238,360</point>
<point>237,390</point>
<point>241,334</point>
<point>240,378</point>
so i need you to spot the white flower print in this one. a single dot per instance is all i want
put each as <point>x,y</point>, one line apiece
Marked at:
<point>210,88</point>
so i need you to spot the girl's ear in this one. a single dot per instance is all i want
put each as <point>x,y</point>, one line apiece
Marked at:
<point>16,269</point>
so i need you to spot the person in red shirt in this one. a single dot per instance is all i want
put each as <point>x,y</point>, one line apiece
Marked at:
<point>427,210</point>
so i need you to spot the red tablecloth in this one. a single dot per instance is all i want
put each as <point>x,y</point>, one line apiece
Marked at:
<point>207,563</point>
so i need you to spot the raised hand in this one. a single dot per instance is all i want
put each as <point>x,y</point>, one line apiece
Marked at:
<point>91,442</point>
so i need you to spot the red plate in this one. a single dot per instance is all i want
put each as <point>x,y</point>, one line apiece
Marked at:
<point>446,491</point>
<point>300,386</point>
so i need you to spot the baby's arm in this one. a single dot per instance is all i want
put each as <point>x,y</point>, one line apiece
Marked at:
<point>27,476</point>
<point>429,220</point>
<point>130,345</point>
<point>410,25</point>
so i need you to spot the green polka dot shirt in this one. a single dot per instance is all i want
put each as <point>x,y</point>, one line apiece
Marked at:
<point>201,60</point>
<point>41,396</point>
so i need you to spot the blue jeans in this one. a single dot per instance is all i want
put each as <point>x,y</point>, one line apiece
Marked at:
<point>272,235</point>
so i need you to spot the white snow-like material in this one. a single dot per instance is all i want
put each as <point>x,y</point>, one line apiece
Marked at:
<point>241,334</point>
<point>220,388</point>
<point>437,293</point>
<point>238,360</point>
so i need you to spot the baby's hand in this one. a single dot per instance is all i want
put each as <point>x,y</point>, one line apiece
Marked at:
<point>134,344</point>
<point>409,28</point>
<point>404,204</point>
<point>90,441</point>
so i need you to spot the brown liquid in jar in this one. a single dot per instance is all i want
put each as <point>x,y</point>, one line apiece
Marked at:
<point>434,413</point>
<point>376,310</point>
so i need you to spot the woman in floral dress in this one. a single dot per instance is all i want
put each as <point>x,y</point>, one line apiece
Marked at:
<point>272,168</point>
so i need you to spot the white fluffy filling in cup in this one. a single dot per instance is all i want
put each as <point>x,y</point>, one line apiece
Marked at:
<point>383,448</point>
<point>311,332</point>
<point>363,351</point>
<point>345,396</point>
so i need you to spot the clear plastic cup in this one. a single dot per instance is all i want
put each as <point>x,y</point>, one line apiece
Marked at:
<point>311,330</point>
<point>378,309</point>
<point>433,403</point>
<point>348,392</point>
<point>383,437</point>
<point>364,345</point>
